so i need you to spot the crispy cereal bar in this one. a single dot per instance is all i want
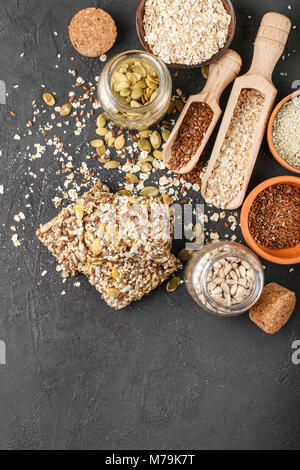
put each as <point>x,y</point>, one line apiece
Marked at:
<point>125,281</point>
<point>101,225</point>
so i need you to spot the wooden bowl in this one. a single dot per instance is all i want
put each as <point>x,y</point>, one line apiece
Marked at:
<point>232,28</point>
<point>270,134</point>
<point>283,256</point>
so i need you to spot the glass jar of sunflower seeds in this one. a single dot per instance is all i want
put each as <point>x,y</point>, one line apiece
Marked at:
<point>135,89</point>
<point>224,278</point>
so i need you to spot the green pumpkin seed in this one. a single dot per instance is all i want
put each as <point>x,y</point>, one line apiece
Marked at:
<point>140,70</point>
<point>132,178</point>
<point>112,164</point>
<point>144,145</point>
<point>101,150</point>
<point>135,104</point>
<point>49,99</point>
<point>165,135</point>
<point>102,131</point>
<point>146,167</point>
<point>136,94</point>
<point>66,109</point>
<point>179,105</point>
<point>173,284</point>
<point>125,92</point>
<point>124,192</point>
<point>205,71</point>
<point>145,134</point>
<point>149,191</point>
<point>155,140</point>
<point>171,108</point>
<point>113,292</point>
<point>119,77</point>
<point>158,154</point>
<point>119,142</point>
<point>97,143</point>
<point>185,255</point>
<point>101,120</point>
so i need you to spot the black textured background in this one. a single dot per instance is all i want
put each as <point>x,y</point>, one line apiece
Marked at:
<point>163,374</point>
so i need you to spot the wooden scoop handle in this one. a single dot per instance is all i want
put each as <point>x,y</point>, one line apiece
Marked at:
<point>221,73</point>
<point>269,44</point>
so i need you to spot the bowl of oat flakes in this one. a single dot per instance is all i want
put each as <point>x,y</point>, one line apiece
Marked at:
<point>284,132</point>
<point>186,33</point>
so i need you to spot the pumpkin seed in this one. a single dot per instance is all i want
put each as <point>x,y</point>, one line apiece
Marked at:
<point>112,164</point>
<point>171,108</point>
<point>97,247</point>
<point>145,134</point>
<point>49,99</point>
<point>185,255</point>
<point>66,109</point>
<point>101,120</point>
<point>136,94</point>
<point>167,200</point>
<point>113,292</point>
<point>179,105</point>
<point>135,104</point>
<point>115,273</point>
<point>144,145</point>
<point>119,142</point>
<point>158,154</point>
<point>65,274</point>
<point>101,150</point>
<point>102,131</point>
<point>96,143</point>
<point>124,192</point>
<point>146,167</point>
<point>140,70</point>
<point>149,191</point>
<point>132,178</point>
<point>205,71</point>
<point>155,140</point>
<point>173,284</point>
<point>165,135</point>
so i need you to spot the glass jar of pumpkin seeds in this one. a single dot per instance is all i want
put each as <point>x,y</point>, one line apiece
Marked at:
<point>224,278</point>
<point>135,89</point>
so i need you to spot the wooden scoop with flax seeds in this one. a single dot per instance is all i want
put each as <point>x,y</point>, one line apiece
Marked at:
<point>241,133</point>
<point>200,116</point>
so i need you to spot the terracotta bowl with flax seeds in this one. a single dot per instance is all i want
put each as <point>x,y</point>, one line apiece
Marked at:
<point>270,220</point>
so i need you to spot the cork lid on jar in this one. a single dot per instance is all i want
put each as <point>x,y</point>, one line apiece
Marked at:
<point>92,32</point>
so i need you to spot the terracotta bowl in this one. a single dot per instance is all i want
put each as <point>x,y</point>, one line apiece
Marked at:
<point>270,138</point>
<point>232,28</point>
<point>284,256</point>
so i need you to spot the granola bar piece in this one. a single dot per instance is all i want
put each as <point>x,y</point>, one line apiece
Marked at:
<point>126,281</point>
<point>129,227</point>
<point>64,235</point>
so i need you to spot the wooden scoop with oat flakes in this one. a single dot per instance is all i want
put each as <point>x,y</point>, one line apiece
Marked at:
<point>200,116</point>
<point>241,133</point>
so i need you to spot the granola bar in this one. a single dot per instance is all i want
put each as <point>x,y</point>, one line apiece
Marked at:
<point>126,281</point>
<point>102,226</point>
<point>64,235</point>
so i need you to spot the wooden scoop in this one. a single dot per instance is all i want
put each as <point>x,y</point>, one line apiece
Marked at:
<point>221,73</point>
<point>269,46</point>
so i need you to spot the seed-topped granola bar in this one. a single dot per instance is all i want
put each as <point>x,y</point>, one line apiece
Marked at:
<point>126,281</point>
<point>101,226</point>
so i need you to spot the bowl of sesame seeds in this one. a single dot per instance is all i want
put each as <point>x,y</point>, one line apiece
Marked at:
<point>270,220</point>
<point>284,132</point>
<point>186,33</point>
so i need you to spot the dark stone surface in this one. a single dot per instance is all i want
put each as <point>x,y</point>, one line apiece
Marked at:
<point>162,374</point>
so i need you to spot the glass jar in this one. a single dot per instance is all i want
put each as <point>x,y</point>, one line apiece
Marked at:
<point>199,269</point>
<point>135,118</point>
